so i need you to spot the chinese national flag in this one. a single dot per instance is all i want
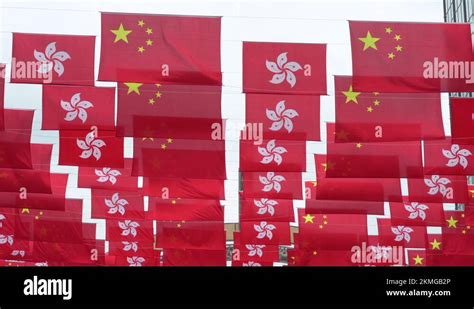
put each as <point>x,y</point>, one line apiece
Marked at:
<point>458,232</point>
<point>301,257</point>
<point>34,181</point>
<point>160,49</point>
<point>190,235</point>
<point>108,178</point>
<point>273,155</point>
<point>285,68</point>
<point>284,116</point>
<point>443,157</point>
<point>107,204</point>
<point>462,120</point>
<point>408,57</point>
<point>385,117</point>
<point>65,59</point>
<point>136,100</point>
<point>184,210</point>
<point>414,214</point>
<point>344,207</point>
<point>84,148</point>
<point>265,233</point>
<point>69,254</point>
<point>438,189</point>
<point>374,160</point>
<point>275,185</point>
<point>179,158</point>
<point>264,209</point>
<point>191,257</point>
<point>78,108</point>
<point>184,188</point>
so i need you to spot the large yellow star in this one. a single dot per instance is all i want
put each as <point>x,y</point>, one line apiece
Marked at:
<point>308,218</point>
<point>133,87</point>
<point>452,222</point>
<point>418,260</point>
<point>351,96</point>
<point>369,41</point>
<point>121,34</point>
<point>435,245</point>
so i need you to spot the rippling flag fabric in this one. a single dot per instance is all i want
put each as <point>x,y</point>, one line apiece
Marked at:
<point>462,120</point>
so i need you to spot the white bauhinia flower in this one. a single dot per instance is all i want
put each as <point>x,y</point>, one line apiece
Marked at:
<point>281,117</point>
<point>264,230</point>
<point>271,182</point>
<point>402,233</point>
<point>283,69</point>
<point>51,59</point>
<point>416,210</point>
<point>128,227</point>
<point>2,217</point>
<point>90,146</point>
<point>271,153</point>
<point>457,156</point>
<point>6,239</point>
<point>18,253</point>
<point>116,204</point>
<point>381,252</point>
<point>76,108</point>
<point>265,205</point>
<point>135,260</point>
<point>41,264</point>
<point>437,184</point>
<point>107,174</point>
<point>130,246</point>
<point>251,264</point>
<point>255,250</point>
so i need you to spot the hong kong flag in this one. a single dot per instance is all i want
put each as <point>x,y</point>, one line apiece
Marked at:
<point>53,59</point>
<point>265,233</point>
<point>107,204</point>
<point>85,148</point>
<point>285,68</point>
<point>462,120</point>
<point>129,230</point>
<point>414,214</point>
<point>275,185</point>
<point>438,189</point>
<point>160,49</point>
<point>401,235</point>
<point>266,209</point>
<point>78,108</point>
<point>443,157</point>
<point>284,116</point>
<point>274,155</point>
<point>410,57</point>
<point>256,253</point>
<point>383,117</point>
<point>108,178</point>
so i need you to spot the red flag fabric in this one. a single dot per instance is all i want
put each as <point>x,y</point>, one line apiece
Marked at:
<point>78,108</point>
<point>385,117</point>
<point>34,181</point>
<point>285,68</point>
<point>53,59</point>
<point>184,210</point>
<point>128,248</point>
<point>273,155</point>
<point>344,207</point>
<point>70,254</point>
<point>176,158</point>
<point>265,233</point>
<point>184,188</point>
<point>190,235</point>
<point>129,230</point>
<point>414,214</point>
<point>438,189</point>
<point>160,49</point>
<point>297,257</point>
<point>374,160</point>
<point>108,178</point>
<point>410,57</point>
<point>117,205</point>
<point>443,157</point>
<point>136,100</point>
<point>462,123</point>
<point>186,257</point>
<point>2,95</point>
<point>255,253</point>
<point>264,209</point>
<point>400,235</point>
<point>283,116</point>
<point>274,185</point>
<point>85,148</point>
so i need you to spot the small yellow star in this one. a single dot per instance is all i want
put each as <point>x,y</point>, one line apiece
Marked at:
<point>315,252</point>
<point>341,135</point>
<point>321,226</point>
<point>398,37</point>
<point>158,85</point>
<point>388,30</point>
<point>149,42</point>
<point>315,183</point>
<point>25,210</point>
<point>325,217</point>
<point>133,87</point>
<point>351,96</point>
<point>435,245</point>
<point>149,30</point>
<point>359,145</point>
<point>376,102</point>
<point>369,41</point>
<point>158,94</point>
<point>370,109</point>
<point>464,231</point>
<point>452,222</point>
<point>398,48</point>
<point>151,101</point>
<point>325,222</point>
<point>376,93</point>
<point>141,49</point>
<point>308,218</point>
<point>141,23</point>
<point>173,202</point>
<point>147,138</point>
<point>121,34</point>
<point>169,140</point>
<point>163,146</point>
<point>418,260</point>
<point>391,56</point>
<point>36,217</point>
<point>178,225</point>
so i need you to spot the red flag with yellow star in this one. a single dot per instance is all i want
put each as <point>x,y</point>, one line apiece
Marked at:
<point>385,117</point>
<point>34,181</point>
<point>192,257</point>
<point>190,235</point>
<point>285,68</point>
<point>462,120</point>
<point>411,57</point>
<point>183,210</point>
<point>184,188</point>
<point>458,232</point>
<point>344,207</point>
<point>160,49</point>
